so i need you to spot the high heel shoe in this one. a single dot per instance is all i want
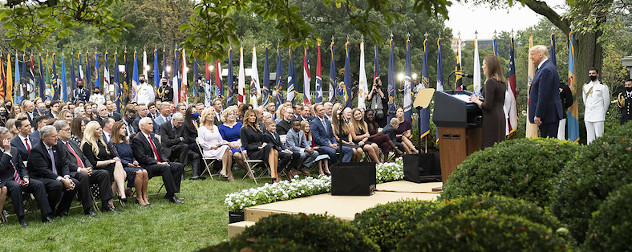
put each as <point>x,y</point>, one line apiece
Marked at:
<point>124,200</point>
<point>223,176</point>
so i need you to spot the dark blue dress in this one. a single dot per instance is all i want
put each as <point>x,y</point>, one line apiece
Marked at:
<point>125,153</point>
<point>231,134</point>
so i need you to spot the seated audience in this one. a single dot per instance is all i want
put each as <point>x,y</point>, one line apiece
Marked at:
<point>147,152</point>
<point>81,170</point>
<point>383,141</point>
<point>306,128</point>
<point>296,142</point>
<point>24,142</point>
<point>252,139</point>
<point>389,130</point>
<point>98,153</point>
<point>360,135</point>
<point>136,175</point>
<point>48,163</point>
<point>213,146</point>
<point>285,155</point>
<point>403,131</point>
<point>77,127</point>
<point>283,126</point>
<point>324,139</point>
<point>15,179</point>
<point>230,131</point>
<point>343,135</point>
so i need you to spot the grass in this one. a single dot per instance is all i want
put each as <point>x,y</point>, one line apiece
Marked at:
<point>201,221</point>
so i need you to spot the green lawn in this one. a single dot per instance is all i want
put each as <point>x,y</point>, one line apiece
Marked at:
<point>201,221</point>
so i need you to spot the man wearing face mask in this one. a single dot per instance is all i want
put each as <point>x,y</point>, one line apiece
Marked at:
<point>145,92</point>
<point>165,91</point>
<point>3,116</point>
<point>80,94</point>
<point>624,101</point>
<point>97,97</point>
<point>596,100</point>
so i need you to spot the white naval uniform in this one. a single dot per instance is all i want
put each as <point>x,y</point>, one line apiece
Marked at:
<point>596,101</point>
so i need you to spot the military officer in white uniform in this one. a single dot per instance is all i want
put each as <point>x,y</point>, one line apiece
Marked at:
<point>96,97</point>
<point>624,101</point>
<point>596,100</point>
<point>145,93</point>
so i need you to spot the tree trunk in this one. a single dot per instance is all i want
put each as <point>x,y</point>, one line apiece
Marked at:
<point>588,53</point>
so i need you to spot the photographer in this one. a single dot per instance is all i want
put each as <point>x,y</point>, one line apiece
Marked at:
<point>379,102</point>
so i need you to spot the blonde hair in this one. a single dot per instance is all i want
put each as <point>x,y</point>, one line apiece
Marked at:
<point>269,122</point>
<point>205,113</point>
<point>90,138</point>
<point>540,50</point>
<point>227,111</point>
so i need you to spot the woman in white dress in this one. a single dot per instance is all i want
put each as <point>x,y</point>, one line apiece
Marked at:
<point>213,146</point>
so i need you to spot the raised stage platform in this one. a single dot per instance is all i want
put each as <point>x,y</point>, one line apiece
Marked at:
<point>343,207</point>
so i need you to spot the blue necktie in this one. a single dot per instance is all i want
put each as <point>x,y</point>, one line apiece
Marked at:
<point>52,159</point>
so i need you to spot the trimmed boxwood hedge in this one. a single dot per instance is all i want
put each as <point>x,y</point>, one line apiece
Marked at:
<point>265,244</point>
<point>387,224</point>
<point>519,168</point>
<point>611,225</point>
<point>602,167</point>
<point>489,204</point>
<point>482,233</point>
<point>308,232</point>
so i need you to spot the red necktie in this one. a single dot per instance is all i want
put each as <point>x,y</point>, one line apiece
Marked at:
<point>79,162</point>
<point>28,147</point>
<point>16,176</point>
<point>153,147</point>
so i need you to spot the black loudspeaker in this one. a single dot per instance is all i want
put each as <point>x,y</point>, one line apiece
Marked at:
<point>353,179</point>
<point>422,167</point>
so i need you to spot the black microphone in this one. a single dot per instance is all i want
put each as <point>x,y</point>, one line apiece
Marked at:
<point>465,75</point>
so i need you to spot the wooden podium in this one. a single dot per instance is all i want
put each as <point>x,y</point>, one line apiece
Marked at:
<point>459,129</point>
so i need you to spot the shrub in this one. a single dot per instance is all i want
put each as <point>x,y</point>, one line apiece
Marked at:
<point>488,204</point>
<point>520,168</point>
<point>611,225</point>
<point>482,233</point>
<point>266,244</point>
<point>387,224</point>
<point>314,232</point>
<point>600,168</point>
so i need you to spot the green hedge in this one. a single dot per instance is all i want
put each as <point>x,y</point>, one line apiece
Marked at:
<point>519,168</point>
<point>265,244</point>
<point>611,225</point>
<point>489,204</point>
<point>600,168</point>
<point>389,223</point>
<point>312,232</point>
<point>482,233</point>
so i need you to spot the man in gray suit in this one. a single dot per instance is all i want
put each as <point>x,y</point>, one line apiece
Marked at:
<point>296,142</point>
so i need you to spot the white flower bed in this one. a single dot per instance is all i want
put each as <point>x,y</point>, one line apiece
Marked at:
<point>297,188</point>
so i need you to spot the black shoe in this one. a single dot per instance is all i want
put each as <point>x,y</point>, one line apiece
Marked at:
<point>194,178</point>
<point>124,200</point>
<point>174,199</point>
<point>90,213</point>
<point>61,213</point>
<point>47,219</point>
<point>107,208</point>
<point>202,177</point>
<point>22,221</point>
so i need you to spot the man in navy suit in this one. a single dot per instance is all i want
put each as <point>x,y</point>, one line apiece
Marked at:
<point>545,106</point>
<point>23,141</point>
<point>323,136</point>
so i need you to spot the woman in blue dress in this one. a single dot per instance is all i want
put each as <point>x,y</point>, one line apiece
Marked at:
<point>230,130</point>
<point>136,175</point>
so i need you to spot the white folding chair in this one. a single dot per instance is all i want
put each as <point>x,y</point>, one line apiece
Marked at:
<point>208,162</point>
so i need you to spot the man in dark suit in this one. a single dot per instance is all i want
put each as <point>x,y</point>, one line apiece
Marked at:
<point>40,121</point>
<point>217,109</point>
<point>15,177</point>
<point>306,114</point>
<point>545,106</point>
<point>147,152</point>
<point>143,112</point>
<point>284,125</point>
<point>323,137</point>
<point>48,163</point>
<point>111,111</point>
<point>175,145</point>
<point>23,142</point>
<point>82,170</point>
<point>31,112</point>
<point>285,155</point>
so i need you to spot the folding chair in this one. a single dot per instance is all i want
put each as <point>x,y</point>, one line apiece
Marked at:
<point>250,164</point>
<point>208,162</point>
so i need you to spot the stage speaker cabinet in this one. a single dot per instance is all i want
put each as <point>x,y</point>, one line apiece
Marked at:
<point>422,167</point>
<point>353,179</point>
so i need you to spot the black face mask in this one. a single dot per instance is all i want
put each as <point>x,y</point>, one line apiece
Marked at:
<point>8,107</point>
<point>164,83</point>
<point>629,89</point>
<point>4,114</point>
<point>80,86</point>
<point>593,77</point>
<point>142,81</point>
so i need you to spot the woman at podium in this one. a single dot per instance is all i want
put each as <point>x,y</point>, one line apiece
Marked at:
<point>494,122</point>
